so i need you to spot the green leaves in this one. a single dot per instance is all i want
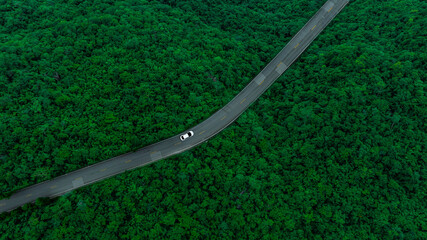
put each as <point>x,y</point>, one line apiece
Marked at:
<point>110,118</point>
<point>338,137</point>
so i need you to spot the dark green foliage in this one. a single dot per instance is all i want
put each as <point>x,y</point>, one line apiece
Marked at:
<point>335,149</point>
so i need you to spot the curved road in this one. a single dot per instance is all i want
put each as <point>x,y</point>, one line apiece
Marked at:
<point>202,132</point>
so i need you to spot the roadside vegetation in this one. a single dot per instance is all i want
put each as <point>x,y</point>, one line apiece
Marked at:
<point>335,149</point>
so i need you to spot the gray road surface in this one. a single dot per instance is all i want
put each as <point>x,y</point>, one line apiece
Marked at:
<point>202,132</point>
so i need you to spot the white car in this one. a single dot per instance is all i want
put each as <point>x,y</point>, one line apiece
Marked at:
<point>187,135</point>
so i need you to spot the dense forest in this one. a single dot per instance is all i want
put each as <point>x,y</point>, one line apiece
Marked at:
<point>335,149</point>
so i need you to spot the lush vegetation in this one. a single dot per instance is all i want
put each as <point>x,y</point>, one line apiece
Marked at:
<point>334,149</point>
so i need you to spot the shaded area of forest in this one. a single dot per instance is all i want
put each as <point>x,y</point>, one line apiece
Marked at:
<point>334,149</point>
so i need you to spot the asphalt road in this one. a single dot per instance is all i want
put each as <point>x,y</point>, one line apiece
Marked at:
<point>202,132</point>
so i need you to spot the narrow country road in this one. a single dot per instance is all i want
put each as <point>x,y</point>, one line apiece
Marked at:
<point>202,132</point>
